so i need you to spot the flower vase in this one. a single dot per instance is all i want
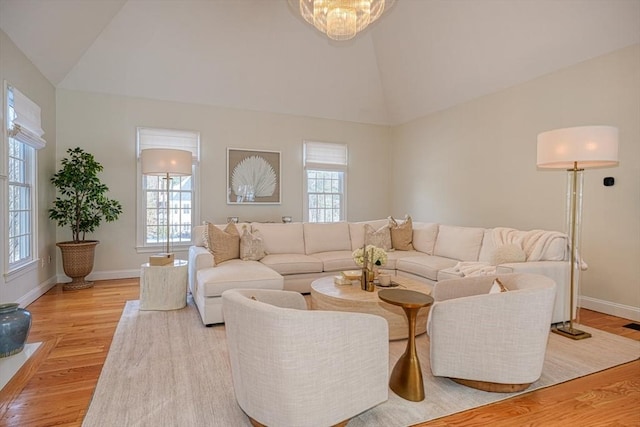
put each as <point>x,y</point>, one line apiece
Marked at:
<point>15,323</point>
<point>371,275</point>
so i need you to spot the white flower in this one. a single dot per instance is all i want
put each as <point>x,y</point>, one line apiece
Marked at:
<point>378,256</point>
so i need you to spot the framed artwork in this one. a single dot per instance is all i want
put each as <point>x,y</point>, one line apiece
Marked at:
<point>253,176</point>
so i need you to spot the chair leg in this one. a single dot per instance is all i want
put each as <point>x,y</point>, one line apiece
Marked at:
<point>492,387</point>
<point>255,423</point>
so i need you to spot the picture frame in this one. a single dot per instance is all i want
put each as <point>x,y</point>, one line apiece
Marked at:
<point>253,177</point>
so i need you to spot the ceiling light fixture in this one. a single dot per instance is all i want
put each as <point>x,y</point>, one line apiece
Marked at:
<point>341,19</point>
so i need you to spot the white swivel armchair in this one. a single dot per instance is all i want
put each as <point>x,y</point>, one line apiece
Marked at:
<point>493,342</point>
<point>297,367</point>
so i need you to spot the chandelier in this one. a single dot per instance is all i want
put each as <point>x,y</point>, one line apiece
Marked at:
<point>341,19</point>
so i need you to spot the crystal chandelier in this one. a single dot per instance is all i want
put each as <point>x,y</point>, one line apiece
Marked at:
<point>341,19</point>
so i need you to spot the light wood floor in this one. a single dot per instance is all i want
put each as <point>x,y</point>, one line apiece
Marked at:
<point>77,327</point>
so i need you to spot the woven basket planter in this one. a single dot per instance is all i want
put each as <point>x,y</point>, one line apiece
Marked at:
<point>77,262</point>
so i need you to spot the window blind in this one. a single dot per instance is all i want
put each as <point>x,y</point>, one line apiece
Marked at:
<point>25,119</point>
<point>171,139</point>
<point>324,153</point>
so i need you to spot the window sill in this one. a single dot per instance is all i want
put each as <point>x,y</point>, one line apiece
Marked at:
<point>184,247</point>
<point>17,272</point>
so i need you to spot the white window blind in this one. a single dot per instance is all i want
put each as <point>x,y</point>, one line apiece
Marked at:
<point>324,154</point>
<point>325,165</point>
<point>165,138</point>
<point>24,115</point>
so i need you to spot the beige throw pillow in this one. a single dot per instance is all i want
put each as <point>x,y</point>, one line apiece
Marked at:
<point>401,234</point>
<point>223,244</point>
<point>497,287</point>
<point>505,254</point>
<point>380,238</point>
<point>251,246</point>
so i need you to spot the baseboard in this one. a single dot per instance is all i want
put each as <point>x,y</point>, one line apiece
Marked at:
<point>105,275</point>
<point>37,292</point>
<point>607,307</point>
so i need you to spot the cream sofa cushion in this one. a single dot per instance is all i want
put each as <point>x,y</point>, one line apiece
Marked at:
<point>401,233</point>
<point>356,231</point>
<point>461,243</point>
<point>426,266</point>
<point>293,263</point>
<point>251,245</point>
<point>235,274</point>
<point>197,234</point>
<point>337,260</point>
<point>488,246</point>
<point>281,238</point>
<point>394,256</point>
<point>326,237</point>
<point>424,236</point>
<point>380,238</point>
<point>223,244</point>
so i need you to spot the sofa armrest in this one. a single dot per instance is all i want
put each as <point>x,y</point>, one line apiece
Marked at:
<point>556,270</point>
<point>199,258</point>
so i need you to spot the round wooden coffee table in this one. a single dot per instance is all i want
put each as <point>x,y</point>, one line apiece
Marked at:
<point>325,295</point>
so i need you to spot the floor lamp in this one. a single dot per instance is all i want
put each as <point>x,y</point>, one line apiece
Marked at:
<point>576,149</point>
<point>166,163</point>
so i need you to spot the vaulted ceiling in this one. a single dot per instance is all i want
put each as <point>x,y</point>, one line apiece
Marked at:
<point>421,57</point>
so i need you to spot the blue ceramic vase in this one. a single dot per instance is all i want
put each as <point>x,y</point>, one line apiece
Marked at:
<point>14,329</point>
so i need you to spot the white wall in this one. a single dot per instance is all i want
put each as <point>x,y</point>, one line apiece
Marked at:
<point>475,164</point>
<point>105,125</point>
<point>18,71</point>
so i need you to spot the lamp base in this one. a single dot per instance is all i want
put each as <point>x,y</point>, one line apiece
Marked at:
<point>161,259</point>
<point>569,332</point>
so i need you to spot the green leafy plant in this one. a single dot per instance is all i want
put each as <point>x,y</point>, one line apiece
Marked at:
<point>81,203</point>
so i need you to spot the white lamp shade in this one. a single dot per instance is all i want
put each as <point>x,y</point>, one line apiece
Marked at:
<point>588,146</point>
<point>156,161</point>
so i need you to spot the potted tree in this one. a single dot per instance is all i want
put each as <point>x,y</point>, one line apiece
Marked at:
<point>82,205</point>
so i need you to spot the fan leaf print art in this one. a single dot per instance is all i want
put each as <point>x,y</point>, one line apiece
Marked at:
<point>253,176</point>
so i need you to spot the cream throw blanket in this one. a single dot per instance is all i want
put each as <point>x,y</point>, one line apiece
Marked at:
<point>534,243</point>
<point>472,268</point>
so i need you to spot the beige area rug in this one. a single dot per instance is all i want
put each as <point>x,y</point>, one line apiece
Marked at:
<point>165,368</point>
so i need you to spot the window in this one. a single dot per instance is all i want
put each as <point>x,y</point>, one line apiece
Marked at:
<point>152,199</point>
<point>325,166</point>
<point>24,138</point>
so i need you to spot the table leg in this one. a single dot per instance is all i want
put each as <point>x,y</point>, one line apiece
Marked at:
<point>406,377</point>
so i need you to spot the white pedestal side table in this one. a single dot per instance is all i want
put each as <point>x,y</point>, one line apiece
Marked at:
<point>163,287</point>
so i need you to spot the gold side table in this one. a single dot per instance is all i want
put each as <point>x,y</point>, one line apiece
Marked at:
<point>406,377</point>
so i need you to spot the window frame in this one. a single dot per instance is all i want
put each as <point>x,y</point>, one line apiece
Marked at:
<point>15,269</point>
<point>319,166</point>
<point>143,246</point>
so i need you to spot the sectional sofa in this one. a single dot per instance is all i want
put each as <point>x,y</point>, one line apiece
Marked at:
<point>298,253</point>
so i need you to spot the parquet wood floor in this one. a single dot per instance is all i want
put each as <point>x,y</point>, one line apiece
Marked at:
<point>76,327</point>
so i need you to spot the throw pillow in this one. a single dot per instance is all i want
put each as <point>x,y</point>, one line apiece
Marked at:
<point>223,244</point>
<point>508,253</point>
<point>380,238</point>
<point>251,246</point>
<point>401,234</point>
<point>497,287</point>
